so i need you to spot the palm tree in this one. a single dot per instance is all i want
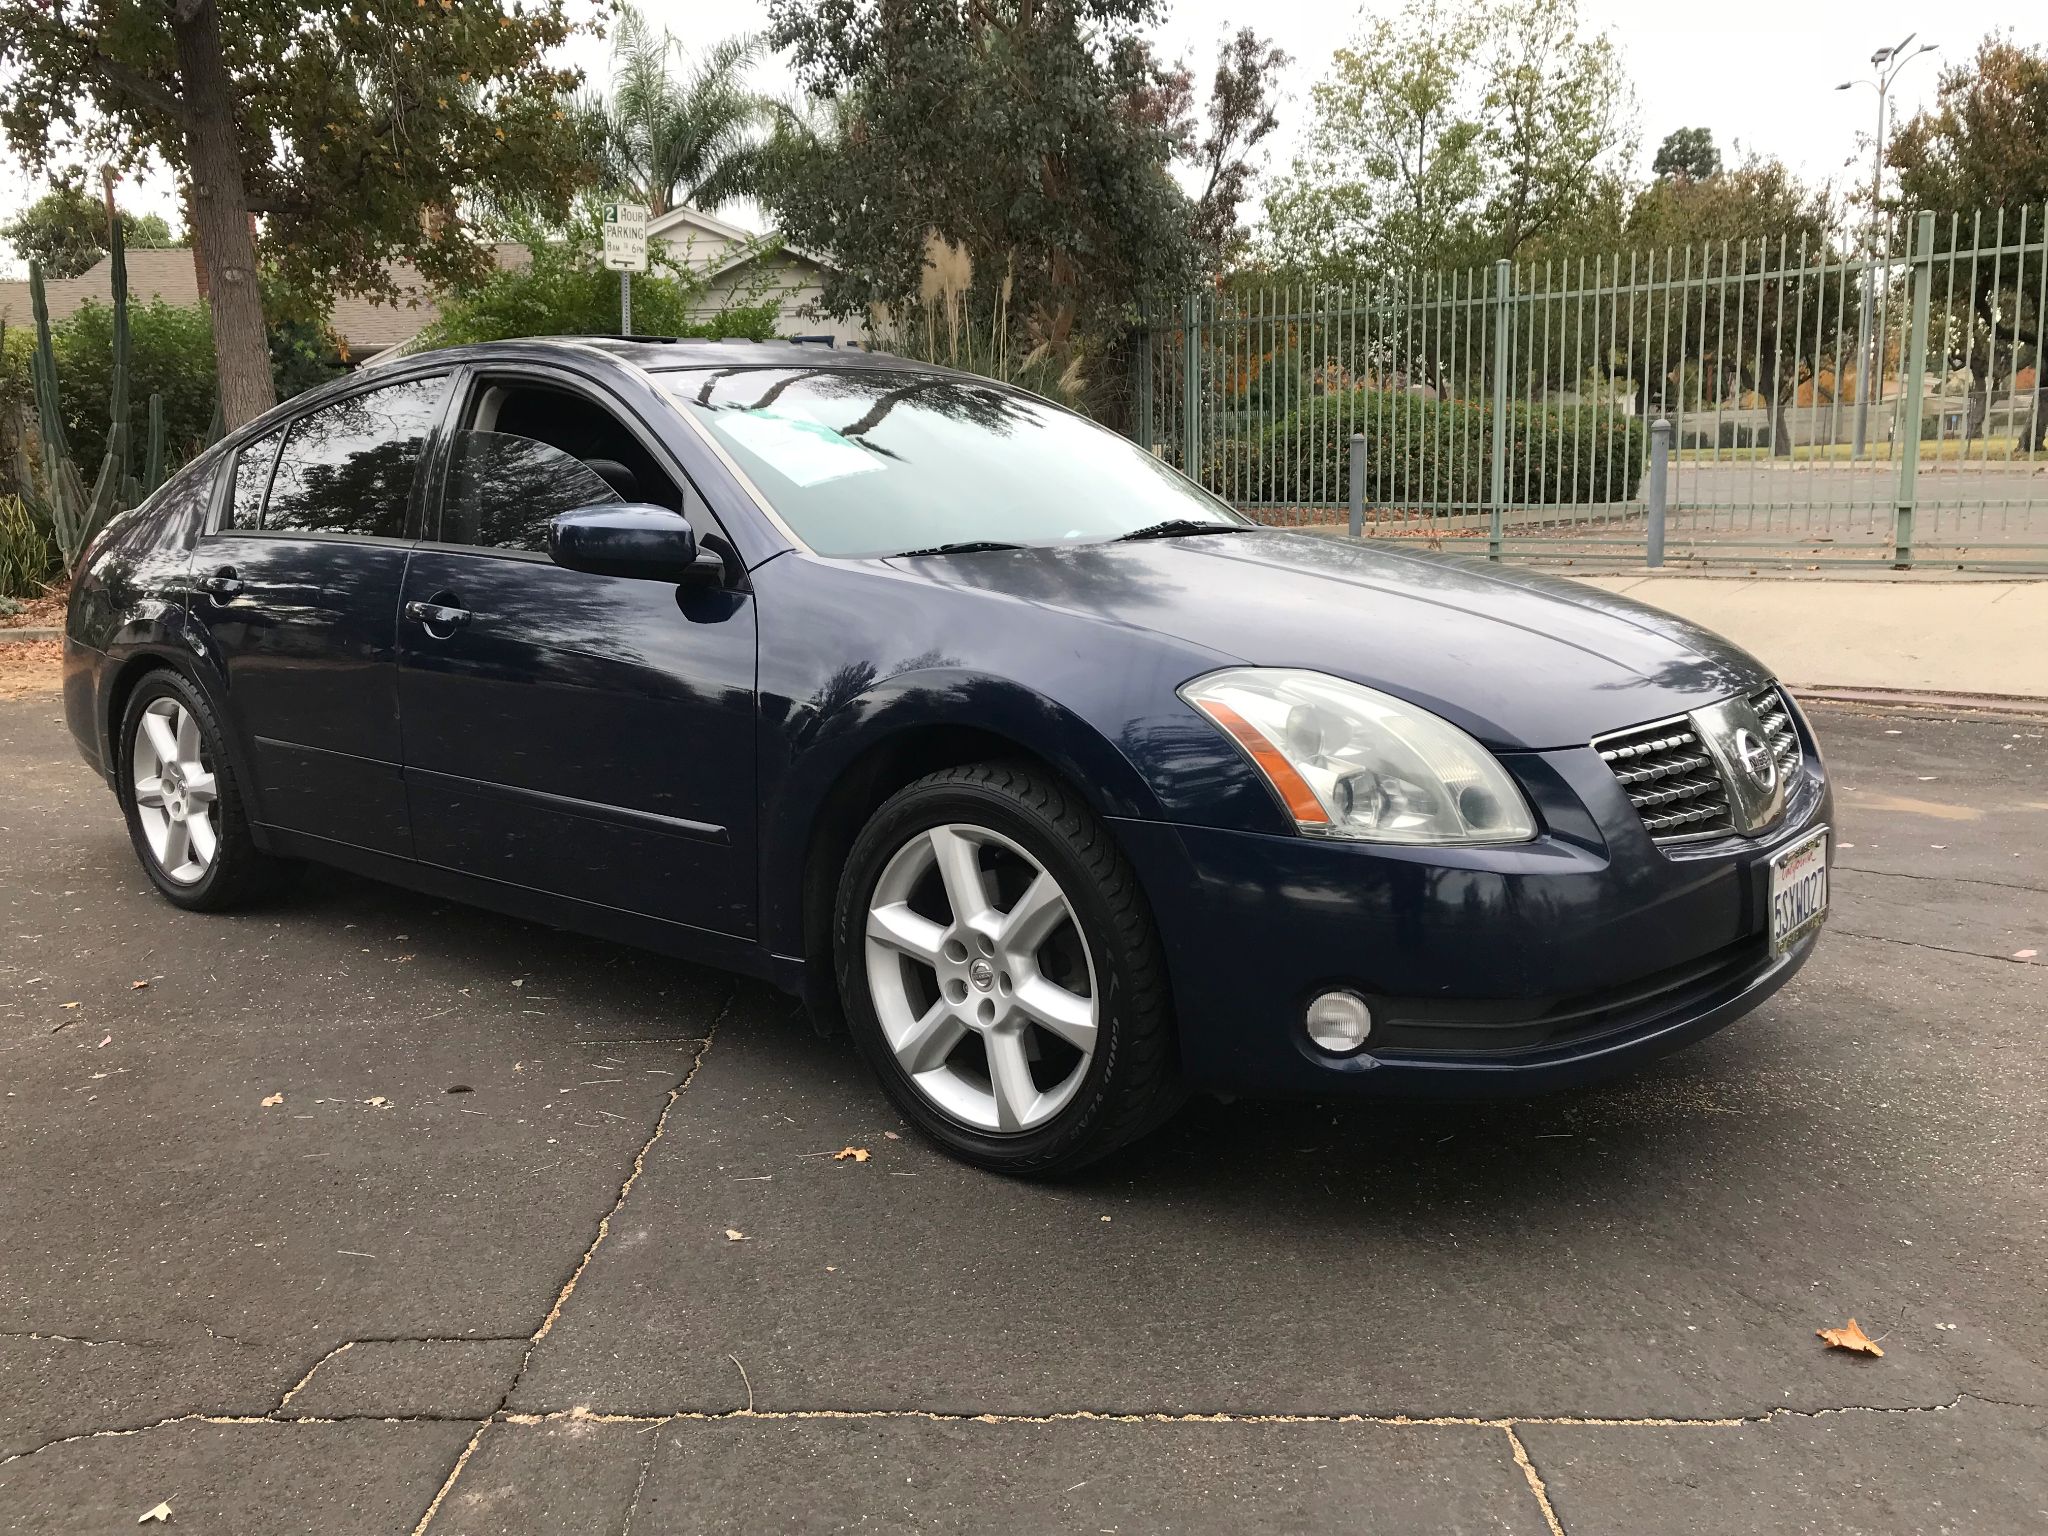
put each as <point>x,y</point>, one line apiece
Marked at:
<point>674,129</point>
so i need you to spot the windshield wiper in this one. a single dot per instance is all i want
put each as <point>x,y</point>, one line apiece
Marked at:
<point>1174,527</point>
<point>964,547</point>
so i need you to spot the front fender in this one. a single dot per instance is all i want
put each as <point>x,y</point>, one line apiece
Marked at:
<point>818,750</point>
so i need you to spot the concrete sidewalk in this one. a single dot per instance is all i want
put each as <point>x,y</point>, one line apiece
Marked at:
<point>1913,634</point>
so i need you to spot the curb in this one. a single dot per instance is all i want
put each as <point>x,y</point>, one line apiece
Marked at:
<point>22,636</point>
<point>1988,704</point>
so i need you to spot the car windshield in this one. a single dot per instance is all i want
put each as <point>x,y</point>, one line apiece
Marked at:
<point>881,462</point>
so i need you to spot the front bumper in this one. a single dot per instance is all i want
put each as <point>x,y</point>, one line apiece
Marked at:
<point>1490,970</point>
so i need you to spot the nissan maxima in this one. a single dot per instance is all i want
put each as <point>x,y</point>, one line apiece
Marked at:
<point>1061,786</point>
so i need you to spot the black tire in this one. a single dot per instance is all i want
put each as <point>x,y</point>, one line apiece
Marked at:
<point>1132,1084</point>
<point>239,872</point>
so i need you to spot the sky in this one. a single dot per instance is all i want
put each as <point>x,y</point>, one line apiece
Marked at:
<point>1759,73</point>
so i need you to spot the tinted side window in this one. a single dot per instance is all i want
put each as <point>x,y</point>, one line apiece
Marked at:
<point>502,489</point>
<point>252,476</point>
<point>348,467</point>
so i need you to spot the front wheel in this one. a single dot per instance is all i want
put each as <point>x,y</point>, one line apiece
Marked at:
<point>1001,973</point>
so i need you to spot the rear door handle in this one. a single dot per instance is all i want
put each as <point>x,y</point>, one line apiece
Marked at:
<point>223,585</point>
<point>439,618</point>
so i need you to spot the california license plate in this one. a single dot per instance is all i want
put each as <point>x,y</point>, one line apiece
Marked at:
<point>1799,891</point>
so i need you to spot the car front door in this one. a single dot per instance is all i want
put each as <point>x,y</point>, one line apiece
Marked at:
<point>587,736</point>
<point>297,588</point>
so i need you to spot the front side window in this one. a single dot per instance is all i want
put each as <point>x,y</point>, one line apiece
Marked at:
<point>348,467</point>
<point>503,488</point>
<point>252,478</point>
<point>877,462</point>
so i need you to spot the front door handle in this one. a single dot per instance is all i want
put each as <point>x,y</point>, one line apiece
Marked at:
<point>223,586</point>
<point>440,618</point>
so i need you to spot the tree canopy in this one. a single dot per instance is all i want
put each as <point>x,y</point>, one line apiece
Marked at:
<point>65,230</point>
<point>1687,154</point>
<point>1446,137</point>
<point>672,129</point>
<point>357,133</point>
<point>1035,138</point>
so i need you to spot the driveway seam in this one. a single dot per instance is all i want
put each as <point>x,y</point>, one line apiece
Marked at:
<point>343,1348</point>
<point>1534,1479</point>
<point>604,1227</point>
<point>588,1416</point>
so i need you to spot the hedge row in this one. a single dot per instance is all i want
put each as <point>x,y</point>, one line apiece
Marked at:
<point>1423,452</point>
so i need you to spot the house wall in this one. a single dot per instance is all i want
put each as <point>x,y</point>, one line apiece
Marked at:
<point>794,284</point>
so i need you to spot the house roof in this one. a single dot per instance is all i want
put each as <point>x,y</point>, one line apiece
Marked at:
<point>366,325</point>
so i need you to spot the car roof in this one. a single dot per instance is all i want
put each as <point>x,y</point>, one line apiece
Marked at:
<point>661,354</point>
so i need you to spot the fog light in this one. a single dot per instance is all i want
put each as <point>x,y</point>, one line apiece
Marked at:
<point>1339,1022</point>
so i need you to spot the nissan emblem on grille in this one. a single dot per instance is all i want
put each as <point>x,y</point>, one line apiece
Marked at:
<point>1719,771</point>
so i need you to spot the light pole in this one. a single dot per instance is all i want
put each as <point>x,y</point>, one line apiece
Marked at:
<point>1887,62</point>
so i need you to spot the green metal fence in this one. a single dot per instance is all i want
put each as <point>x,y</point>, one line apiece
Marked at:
<point>1882,405</point>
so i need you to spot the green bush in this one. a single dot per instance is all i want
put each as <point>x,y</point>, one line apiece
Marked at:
<point>170,351</point>
<point>28,554</point>
<point>1424,452</point>
<point>565,291</point>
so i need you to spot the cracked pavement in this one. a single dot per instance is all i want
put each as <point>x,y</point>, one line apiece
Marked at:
<point>472,1273</point>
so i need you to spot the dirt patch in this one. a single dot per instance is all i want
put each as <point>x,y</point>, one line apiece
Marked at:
<point>30,667</point>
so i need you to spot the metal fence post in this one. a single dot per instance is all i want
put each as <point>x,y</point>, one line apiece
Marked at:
<point>1141,389</point>
<point>1497,494</point>
<point>1915,360</point>
<point>1358,485</point>
<point>1191,389</point>
<point>1660,471</point>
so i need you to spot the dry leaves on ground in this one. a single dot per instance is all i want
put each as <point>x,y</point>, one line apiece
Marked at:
<point>856,1154</point>
<point>734,1235</point>
<point>1852,1338</point>
<point>161,1514</point>
<point>273,1101</point>
<point>29,667</point>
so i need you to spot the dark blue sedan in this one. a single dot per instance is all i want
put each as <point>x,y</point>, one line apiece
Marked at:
<point>1060,785</point>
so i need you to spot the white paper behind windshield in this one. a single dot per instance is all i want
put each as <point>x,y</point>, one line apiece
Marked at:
<point>804,452</point>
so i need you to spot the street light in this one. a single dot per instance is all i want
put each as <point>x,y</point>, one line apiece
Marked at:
<point>1887,62</point>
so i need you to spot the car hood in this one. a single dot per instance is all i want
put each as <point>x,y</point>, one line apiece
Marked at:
<point>1521,659</point>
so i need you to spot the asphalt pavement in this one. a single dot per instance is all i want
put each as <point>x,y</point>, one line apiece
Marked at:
<point>366,1213</point>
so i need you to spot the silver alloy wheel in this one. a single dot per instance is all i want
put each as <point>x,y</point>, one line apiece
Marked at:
<point>174,792</point>
<point>983,1007</point>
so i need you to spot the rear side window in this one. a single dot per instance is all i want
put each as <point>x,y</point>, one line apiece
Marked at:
<point>252,476</point>
<point>503,488</point>
<point>348,467</point>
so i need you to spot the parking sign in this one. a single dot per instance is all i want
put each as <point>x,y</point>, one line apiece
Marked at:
<point>625,237</point>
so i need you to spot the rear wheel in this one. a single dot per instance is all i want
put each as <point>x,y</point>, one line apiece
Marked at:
<point>1001,973</point>
<point>182,802</point>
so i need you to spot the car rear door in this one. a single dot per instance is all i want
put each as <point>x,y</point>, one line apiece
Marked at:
<point>296,586</point>
<point>587,736</point>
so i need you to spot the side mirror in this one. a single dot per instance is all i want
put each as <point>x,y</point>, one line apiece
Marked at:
<point>632,539</point>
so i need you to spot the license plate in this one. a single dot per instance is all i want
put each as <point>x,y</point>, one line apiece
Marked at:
<point>1799,891</point>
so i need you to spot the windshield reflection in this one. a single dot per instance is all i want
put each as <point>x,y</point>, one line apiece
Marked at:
<point>872,461</point>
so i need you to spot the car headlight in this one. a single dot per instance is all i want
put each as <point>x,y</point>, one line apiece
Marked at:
<point>1350,762</point>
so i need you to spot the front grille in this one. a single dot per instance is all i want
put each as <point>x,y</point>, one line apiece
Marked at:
<point>1776,715</point>
<point>1667,775</point>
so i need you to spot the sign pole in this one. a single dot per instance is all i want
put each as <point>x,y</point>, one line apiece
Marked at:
<point>625,303</point>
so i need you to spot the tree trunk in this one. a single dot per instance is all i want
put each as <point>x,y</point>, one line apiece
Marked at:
<point>220,216</point>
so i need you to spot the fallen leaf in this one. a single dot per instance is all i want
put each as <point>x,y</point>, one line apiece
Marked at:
<point>858,1154</point>
<point>1851,1338</point>
<point>273,1101</point>
<point>161,1514</point>
<point>71,1005</point>
<point>891,1136</point>
<point>734,1235</point>
<point>137,986</point>
<point>104,1043</point>
<point>380,1101</point>
<point>2025,954</point>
